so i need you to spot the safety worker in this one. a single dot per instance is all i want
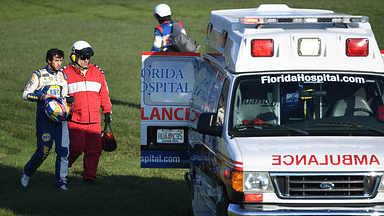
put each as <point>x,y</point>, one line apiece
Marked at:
<point>44,83</point>
<point>87,84</point>
<point>163,32</point>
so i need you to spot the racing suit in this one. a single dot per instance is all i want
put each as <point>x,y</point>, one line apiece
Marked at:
<point>90,93</point>
<point>43,82</point>
<point>163,33</point>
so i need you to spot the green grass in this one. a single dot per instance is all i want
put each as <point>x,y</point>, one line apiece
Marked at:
<point>118,30</point>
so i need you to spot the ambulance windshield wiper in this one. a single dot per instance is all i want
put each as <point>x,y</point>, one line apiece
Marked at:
<point>280,126</point>
<point>348,124</point>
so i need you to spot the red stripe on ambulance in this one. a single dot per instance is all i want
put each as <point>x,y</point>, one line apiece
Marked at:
<point>165,113</point>
<point>289,160</point>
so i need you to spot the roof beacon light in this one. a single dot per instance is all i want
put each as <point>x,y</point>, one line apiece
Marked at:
<point>249,20</point>
<point>262,47</point>
<point>329,18</point>
<point>309,46</point>
<point>357,47</point>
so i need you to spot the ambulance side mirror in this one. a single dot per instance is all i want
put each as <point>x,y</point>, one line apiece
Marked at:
<point>207,124</point>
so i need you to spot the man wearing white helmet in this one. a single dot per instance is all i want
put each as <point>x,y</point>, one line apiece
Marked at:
<point>47,83</point>
<point>163,32</point>
<point>86,82</point>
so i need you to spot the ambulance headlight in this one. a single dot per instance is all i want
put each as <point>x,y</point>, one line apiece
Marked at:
<point>257,181</point>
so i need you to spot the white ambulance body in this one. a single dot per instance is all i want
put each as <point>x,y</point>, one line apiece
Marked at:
<point>285,117</point>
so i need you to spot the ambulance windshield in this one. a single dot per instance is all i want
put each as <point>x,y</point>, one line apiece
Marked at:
<point>308,104</point>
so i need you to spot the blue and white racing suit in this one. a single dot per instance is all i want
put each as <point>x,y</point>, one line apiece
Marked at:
<point>163,33</point>
<point>43,82</point>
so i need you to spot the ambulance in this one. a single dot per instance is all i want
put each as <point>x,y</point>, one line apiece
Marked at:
<point>283,114</point>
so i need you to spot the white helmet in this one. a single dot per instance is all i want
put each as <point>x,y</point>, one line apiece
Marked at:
<point>80,48</point>
<point>162,10</point>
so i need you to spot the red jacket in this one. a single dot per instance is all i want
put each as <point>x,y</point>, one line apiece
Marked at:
<point>90,92</point>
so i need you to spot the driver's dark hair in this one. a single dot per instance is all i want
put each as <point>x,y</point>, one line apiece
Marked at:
<point>53,52</point>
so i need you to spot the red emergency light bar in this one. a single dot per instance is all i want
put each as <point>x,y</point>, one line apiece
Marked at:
<point>250,20</point>
<point>262,47</point>
<point>357,47</point>
<point>333,18</point>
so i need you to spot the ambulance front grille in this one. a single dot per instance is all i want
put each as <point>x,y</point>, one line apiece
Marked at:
<point>326,185</point>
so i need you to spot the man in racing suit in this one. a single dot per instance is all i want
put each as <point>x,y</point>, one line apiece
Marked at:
<point>45,83</point>
<point>163,32</point>
<point>86,82</point>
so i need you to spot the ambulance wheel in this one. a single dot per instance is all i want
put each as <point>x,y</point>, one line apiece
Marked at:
<point>190,212</point>
<point>192,176</point>
<point>222,206</point>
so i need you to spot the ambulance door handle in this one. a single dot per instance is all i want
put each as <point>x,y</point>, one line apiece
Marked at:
<point>191,102</point>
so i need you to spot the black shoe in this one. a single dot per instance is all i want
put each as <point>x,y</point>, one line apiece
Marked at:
<point>89,182</point>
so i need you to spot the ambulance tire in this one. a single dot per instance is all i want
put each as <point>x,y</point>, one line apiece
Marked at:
<point>222,206</point>
<point>190,210</point>
<point>192,176</point>
<point>192,188</point>
<point>192,193</point>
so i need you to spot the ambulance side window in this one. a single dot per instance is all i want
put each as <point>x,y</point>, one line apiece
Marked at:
<point>222,105</point>
<point>380,92</point>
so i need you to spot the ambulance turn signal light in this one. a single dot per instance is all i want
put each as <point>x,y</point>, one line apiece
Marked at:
<point>357,47</point>
<point>262,47</point>
<point>237,180</point>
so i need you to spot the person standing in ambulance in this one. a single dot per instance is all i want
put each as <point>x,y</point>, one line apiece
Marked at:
<point>86,82</point>
<point>163,32</point>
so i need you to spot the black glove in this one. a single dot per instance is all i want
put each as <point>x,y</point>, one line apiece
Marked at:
<point>108,118</point>
<point>70,99</point>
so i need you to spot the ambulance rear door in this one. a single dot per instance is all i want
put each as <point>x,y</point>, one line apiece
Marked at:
<point>167,81</point>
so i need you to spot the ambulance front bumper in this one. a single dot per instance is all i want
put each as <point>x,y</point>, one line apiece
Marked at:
<point>236,209</point>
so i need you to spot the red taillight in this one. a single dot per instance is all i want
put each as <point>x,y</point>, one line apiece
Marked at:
<point>357,47</point>
<point>253,197</point>
<point>262,48</point>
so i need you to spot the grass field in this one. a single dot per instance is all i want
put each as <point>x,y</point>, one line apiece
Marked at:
<point>118,30</point>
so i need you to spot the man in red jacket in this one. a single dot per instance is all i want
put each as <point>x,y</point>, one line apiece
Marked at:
<point>86,82</point>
